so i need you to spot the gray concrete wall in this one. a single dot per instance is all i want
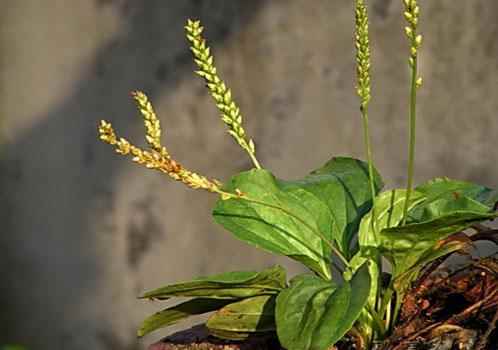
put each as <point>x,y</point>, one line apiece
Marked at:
<point>84,231</point>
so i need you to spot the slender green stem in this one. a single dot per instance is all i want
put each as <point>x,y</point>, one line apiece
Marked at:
<point>388,316</point>
<point>366,136</point>
<point>411,15</point>
<point>378,323</point>
<point>411,145</point>
<point>254,160</point>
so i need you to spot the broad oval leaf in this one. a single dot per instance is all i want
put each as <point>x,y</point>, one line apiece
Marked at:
<point>300,308</point>
<point>172,315</point>
<point>315,314</point>
<point>299,219</point>
<point>229,285</point>
<point>343,184</point>
<point>240,319</point>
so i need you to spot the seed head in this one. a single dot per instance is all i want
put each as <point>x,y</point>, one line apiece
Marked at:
<point>362,53</point>
<point>157,157</point>
<point>230,112</point>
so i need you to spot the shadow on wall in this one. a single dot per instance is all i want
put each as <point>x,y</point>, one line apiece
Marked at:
<point>56,178</point>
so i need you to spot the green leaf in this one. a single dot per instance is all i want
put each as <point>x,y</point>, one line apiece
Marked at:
<point>343,184</point>
<point>444,187</point>
<point>230,335</point>
<point>179,312</point>
<point>444,216</point>
<point>366,320</point>
<point>433,215</point>
<point>230,285</point>
<point>388,213</point>
<point>315,314</point>
<point>279,222</point>
<point>300,309</point>
<point>450,245</point>
<point>442,226</point>
<point>240,319</point>
<point>293,218</point>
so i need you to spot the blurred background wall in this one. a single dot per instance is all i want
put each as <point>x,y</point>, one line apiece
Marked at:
<point>84,231</point>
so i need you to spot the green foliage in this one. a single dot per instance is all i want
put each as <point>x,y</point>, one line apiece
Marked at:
<point>172,315</point>
<point>314,314</point>
<point>300,219</point>
<point>445,209</point>
<point>441,190</point>
<point>240,319</point>
<point>231,294</point>
<point>231,285</point>
<point>277,221</point>
<point>315,221</point>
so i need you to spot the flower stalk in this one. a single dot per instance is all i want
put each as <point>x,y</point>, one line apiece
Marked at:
<point>362,44</point>
<point>411,15</point>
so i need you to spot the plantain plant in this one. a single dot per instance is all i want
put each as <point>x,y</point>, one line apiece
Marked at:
<point>336,217</point>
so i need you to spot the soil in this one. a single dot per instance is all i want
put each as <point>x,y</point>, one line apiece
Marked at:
<point>449,310</point>
<point>446,309</point>
<point>198,338</point>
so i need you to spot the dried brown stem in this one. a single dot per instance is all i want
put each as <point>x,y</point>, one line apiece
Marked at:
<point>485,337</point>
<point>450,321</point>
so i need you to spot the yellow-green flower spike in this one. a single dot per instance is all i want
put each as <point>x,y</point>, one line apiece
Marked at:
<point>362,44</point>
<point>362,53</point>
<point>158,157</point>
<point>411,14</point>
<point>151,122</point>
<point>230,112</point>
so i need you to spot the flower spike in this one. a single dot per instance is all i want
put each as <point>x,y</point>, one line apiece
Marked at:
<point>230,112</point>
<point>362,44</point>
<point>362,53</point>
<point>157,157</point>
<point>151,122</point>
